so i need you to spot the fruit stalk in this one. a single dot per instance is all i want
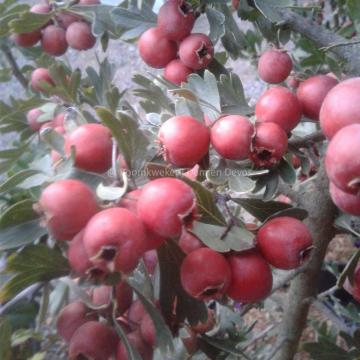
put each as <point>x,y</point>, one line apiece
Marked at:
<point>14,66</point>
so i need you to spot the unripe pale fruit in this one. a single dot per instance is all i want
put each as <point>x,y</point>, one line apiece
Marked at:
<point>115,238</point>
<point>135,314</point>
<point>150,260</point>
<point>53,40</point>
<point>176,72</point>
<point>231,137</point>
<point>155,49</point>
<point>32,117</point>
<point>342,167</point>
<point>93,340</point>
<point>196,51</point>
<point>251,277</point>
<point>41,8</point>
<point>284,242</point>
<point>137,342</point>
<point>65,19</point>
<point>274,66</point>
<point>176,19</point>
<point>166,205</point>
<point>71,317</point>
<point>93,147</point>
<point>293,82</point>
<point>269,144</point>
<point>279,105</point>
<point>79,36</point>
<point>129,201</point>
<point>67,206</point>
<point>123,294</point>
<point>40,75</point>
<point>147,330</point>
<point>205,274</point>
<point>346,202</point>
<point>27,39</point>
<point>341,107</point>
<point>184,140</point>
<point>312,92</point>
<point>354,289</point>
<point>189,242</point>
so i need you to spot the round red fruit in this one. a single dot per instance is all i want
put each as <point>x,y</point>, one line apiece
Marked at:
<point>166,205</point>
<point>79,36</point>
<point>184,140</point>
<point>196,51</point>
<point>189,242</point>
<point>274,66</point>
<point>346,202</point>
<point>279,105</point>
<point>341,107</point>
<point>312,92</point>
<point>115,238</point>
<point>39,76</point>
<point>284,242</point>
<point>93,147</point>
<point>251,277</point>
<point>342,167</point>
<point>231,137</point>
<point>41,8</point>
<point>65,19</point>
<point>67,205</point>
<point>176,19</point>
<point>53,40</point>
<point>269,144</point>
<point>71,317</point>
<point>32,117</point>
<point>137,342</point>
<point>93,340</point>
<point>150,260</point>
<point>27,39</point>
<point>136,313</point>
<point>204,327</point>
<point>205,274</point>
<point>176,72</point>
<point>147,330</point>
<point>155,49</point>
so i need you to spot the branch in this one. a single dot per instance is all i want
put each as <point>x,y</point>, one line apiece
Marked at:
<point>324,38</point>
<point>290,275</point>
<point>14,66</point>
<point>306,140</point>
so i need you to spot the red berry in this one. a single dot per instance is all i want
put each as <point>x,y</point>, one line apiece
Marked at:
<point>155,49</point>
<point>123,295</point>
<point>205,274</point>
<point>65,19</point>
<point>79,36</point>
<point>115,237</point>
<point>137,342</point>
<point>150,260</point>
<point>279,105</point>
<point>136,313</point>
<point>231,137</point>
<point>58,120</point>
<point>284,242</point>
<point>293,82</point>
<point>202,328</point>
<point>176,72</point>
<point>251,278</point>
<point>269,144</point>
<point>77,256</point>
<point>53,40</point>
<point>89,2</point>
<point>41,8</point>
<point>166,205</point>
<point>176,19</point>
<point>196,51</point>
<point>342,167</point>
<point>32,117</point>
<point>189,242</point>
<point>184,140</point>
<point>27,39</point>
<point>341,107</point>
<point>93,340</point>
<point>147,330</point>
<point>67,205</point>
<point>274,66</point>
<point>346,202</point>
<point>71,317</point>
<point>40,75</point>
<point>93,147</point>
<point>312,92</point>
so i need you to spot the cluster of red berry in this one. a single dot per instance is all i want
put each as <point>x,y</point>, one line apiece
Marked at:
<point>170,45</point>
<point>65,29</point>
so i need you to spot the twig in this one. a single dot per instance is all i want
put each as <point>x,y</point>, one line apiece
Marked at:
<point>14,66</point>
<point>305,140</point>
<point>278,284</point>
<point>328,292</point>
<point>345,43</point>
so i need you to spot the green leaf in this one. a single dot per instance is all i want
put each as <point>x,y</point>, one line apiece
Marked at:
<point>46,264</point>
<point>21,336</point>
<point>18,213</point>
<point>217,24</point>
<point>287,172</point>
<point>325,350</point>
<point>17,179</point>
<point>5,339</point>
<point>241,184</point>
<point>22,314</point>
<point>349,270</point>
<point>55,140</point>
<point>20,235</point>
<point>163,335</point>
<point>270,8</point>
<point>345,222</point>
<point>261,209</point>
<point>354,12</point>
<point>29,21</point>
<point>297,213</point>
<point>172,294</point>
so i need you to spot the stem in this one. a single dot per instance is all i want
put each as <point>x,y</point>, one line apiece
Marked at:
<point>14,66</point>
<point>345,43</point>
<point>305,140</point>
